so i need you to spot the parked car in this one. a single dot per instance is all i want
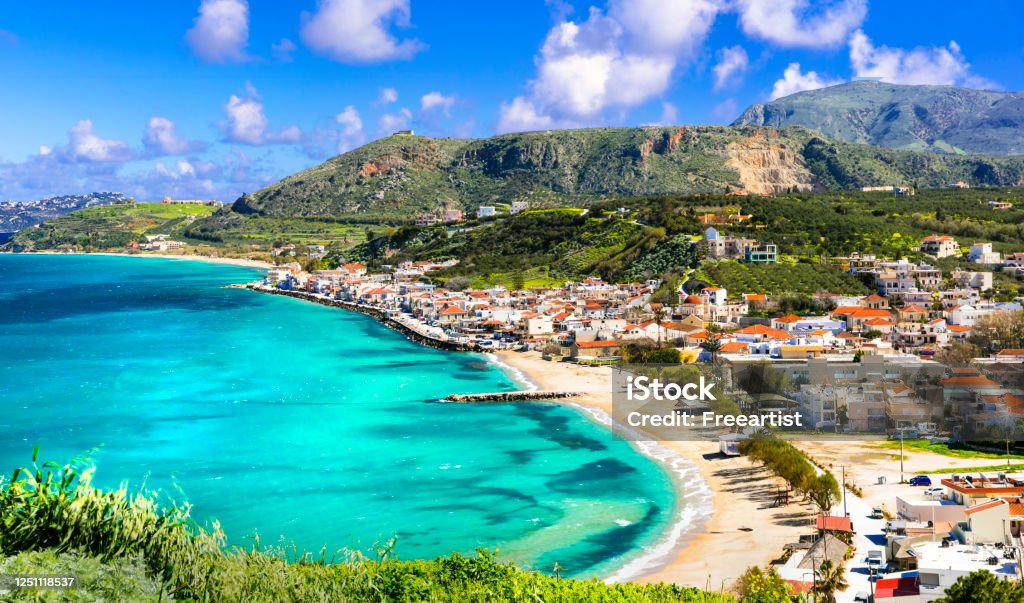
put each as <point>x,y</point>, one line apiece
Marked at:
<point>875,559</point>
<point>862,597</point>
<point>920,480</point>
<point>876,513</point>
<point>935,491</point>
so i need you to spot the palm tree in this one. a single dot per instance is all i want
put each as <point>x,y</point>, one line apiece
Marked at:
<point>659,316</point>
<point>713,343</point>
<point>831,579</point>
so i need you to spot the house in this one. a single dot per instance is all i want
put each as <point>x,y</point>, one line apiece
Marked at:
<point>940,246</point>
<point>761,253</point>
<point>518,207</point>
<point>427,219</point>
<point>1001,205</point>
<point>594,349</point>
<point>1010,355</point>
<point>755,301</point>
<point>452,215</point>
<point>913,313</point>
<point>981,253</point>
<point>974,280</point>
<point>486,211</point>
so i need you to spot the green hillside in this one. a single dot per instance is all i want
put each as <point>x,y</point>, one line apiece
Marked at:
<point>109,226</point>
<point>396,178</point>
<point>941,119</point>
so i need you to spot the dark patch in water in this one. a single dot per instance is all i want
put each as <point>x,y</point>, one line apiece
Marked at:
<point>600,547</point>
<point>554,425</point>
<point>592,477</point>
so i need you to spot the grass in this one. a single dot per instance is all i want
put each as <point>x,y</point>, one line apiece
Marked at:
<point>738,278</point>
<point>149,546</point>
<point>945,449</point>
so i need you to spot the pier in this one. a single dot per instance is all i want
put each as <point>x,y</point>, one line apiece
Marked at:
<point>520,396</point>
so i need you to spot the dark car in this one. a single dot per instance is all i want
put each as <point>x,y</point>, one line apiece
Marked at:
<point>920,480</point>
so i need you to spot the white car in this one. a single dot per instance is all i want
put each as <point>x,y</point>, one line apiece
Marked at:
<point>934,492</point>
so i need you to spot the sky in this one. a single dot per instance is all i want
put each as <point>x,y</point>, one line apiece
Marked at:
<point>210,99</point>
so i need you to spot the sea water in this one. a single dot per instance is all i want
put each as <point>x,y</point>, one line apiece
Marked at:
<point>311,426</point>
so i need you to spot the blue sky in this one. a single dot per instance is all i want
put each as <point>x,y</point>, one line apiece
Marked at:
<point>212,98</point>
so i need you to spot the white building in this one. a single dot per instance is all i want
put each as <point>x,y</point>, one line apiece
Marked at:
<point>518,207</point>
<point>940,246</point>
<point>485,211</point>
<point>981,253</point>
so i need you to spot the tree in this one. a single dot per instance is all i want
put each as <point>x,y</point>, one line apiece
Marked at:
<point>713,344</point>
<point>824,492</point>
<point>457,283</point>
<point>983,587</point>
<point>831,579</point>
<point>999,330</point>
<point>957,355</point>
<point>759,586</point>
<point>659,317</point>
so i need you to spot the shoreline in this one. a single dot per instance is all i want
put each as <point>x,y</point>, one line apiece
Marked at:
<point>209,259</point>
<point>725,521</point>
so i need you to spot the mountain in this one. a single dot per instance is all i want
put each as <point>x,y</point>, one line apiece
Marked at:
<point>17,215</point>
<point>940,119</point>
<point>398,177</point>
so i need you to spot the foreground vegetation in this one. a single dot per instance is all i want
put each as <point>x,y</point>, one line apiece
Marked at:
<point>52,519</point>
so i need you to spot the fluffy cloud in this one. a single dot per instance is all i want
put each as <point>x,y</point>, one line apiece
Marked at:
<point>352,134</point>
<point>522,116</point>
<point>389,123</point>
<point>615,59</point>
<point>161,138</point>
<point>936,65</point>
<point>220,33</point>
<point>247,124</point>
<point>435,101</point>
<point>358,31</point>
<point>793,23</point>
<point>732,64</point>
<point>793,80</point>
<point>283,50</point>
<point>85,145</point>
<point>669,115</point>
<point>387,96</point>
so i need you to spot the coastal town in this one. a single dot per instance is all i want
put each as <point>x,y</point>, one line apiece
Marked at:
<point>888,365</point>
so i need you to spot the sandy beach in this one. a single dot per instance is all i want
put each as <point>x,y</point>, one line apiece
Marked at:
<point>198,258</point>
<point>742,528</point>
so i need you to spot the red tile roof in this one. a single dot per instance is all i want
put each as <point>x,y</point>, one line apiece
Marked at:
<point>833,523</point>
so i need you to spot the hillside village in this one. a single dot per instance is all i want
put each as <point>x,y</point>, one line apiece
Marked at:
<point>831,353</point>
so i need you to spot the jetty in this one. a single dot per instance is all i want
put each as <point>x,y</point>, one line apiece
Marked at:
<point>519,396</point>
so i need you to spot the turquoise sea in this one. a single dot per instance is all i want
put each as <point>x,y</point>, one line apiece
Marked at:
<point>310,425</point>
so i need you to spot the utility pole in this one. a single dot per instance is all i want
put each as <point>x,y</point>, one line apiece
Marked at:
<point>901,456</point>
<point>845,512</point>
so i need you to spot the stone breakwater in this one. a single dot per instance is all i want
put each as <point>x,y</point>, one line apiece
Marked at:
<point>521,396</point>
<point>382,316</point>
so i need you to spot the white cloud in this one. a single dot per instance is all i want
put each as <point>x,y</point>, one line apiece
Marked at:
<point>732,64</point>
<point>387,96</point>
<point>389,123</point>
<point>283,50</point>
<point>793,23</point>
<point>352,134</point>
<point>85,145</point>
<point>936,65</point>
<point>669,115</point>
<point>247,124</point>
<point>793,80</point>
<point>220,33</point>
<point>433,101</point>
<point>44,150</point>
<point>162,139</point>
<point>613,60</point>
<point>521,116</point>
<point>358,31</point>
